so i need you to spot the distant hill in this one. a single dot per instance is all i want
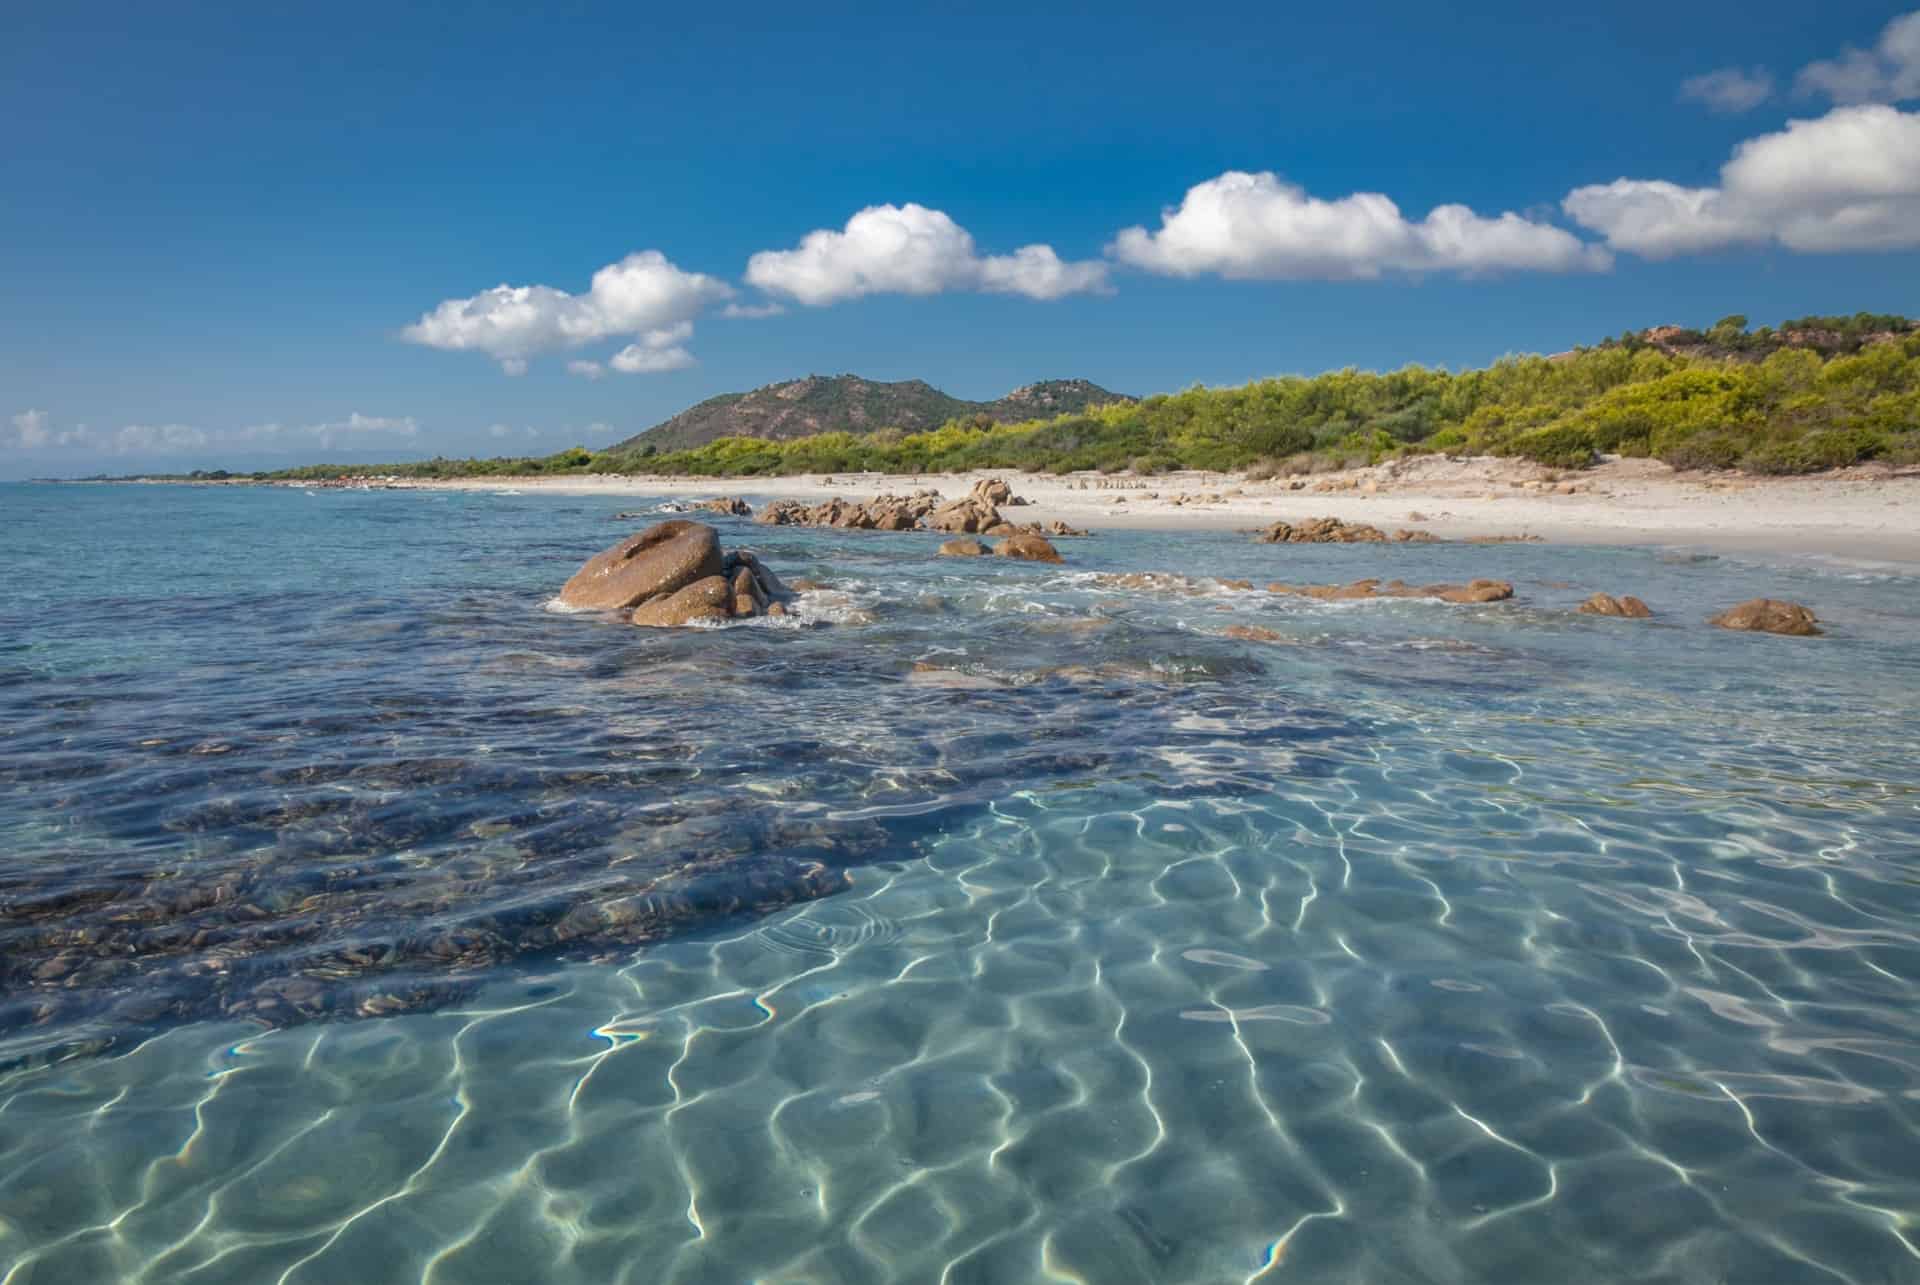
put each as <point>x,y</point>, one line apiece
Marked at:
<point>848,403</point>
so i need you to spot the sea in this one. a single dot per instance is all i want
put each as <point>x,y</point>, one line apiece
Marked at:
<point>364,918</point>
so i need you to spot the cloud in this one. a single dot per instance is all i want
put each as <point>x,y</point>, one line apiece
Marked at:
<point>1730,90</point>
<point>499,430</point>
<point>159,439</point>
<point>910,249</point>
<point>753,311</point>
<point>587,369</point>
<point>1256,227</point>
<point>1848,181</point>
<point>1887,73</point>
<point>655,351</point>
<point>643,292</point>
<point>32,430</point>
<point>599,429</point>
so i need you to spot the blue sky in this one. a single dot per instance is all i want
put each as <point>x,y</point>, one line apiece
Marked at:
<point>242,235</point>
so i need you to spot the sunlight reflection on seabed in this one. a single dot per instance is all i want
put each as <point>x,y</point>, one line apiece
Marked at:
<point>1430,942</point>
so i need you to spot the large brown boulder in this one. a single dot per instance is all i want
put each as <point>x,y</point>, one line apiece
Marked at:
<point>705,599</point>
<point>993,491</point>
<point>1770,616</point>
<point>1027,545</point>
<point>964,517</point>
<point>659,560</point>
<point>1605,604</point>
<point>964,547</point>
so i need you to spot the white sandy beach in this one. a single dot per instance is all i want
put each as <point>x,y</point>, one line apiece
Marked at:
<point>1866,514</point>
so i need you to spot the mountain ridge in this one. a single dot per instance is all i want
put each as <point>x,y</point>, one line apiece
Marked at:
<point>850,403</point>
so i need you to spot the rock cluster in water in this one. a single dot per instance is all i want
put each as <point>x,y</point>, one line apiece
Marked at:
<point>1770,616</point>
<point>674,573</point>
<point>976,513</point>
<point>1605,604</point>
<point>1335,531</point>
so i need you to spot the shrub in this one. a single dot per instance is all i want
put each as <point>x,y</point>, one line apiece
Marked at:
<point>1833,448</point>
<point>1558,446</point>
<point>1702,451</point>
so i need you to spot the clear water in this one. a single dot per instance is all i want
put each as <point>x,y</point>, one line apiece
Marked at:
<point>363,920</point>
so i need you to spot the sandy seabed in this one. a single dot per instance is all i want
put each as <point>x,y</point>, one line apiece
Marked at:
<point>1871,514</point>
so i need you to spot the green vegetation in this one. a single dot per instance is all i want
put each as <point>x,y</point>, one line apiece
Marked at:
<point>1817,393</point>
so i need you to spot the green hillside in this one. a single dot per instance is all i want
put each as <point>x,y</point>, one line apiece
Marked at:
<point>850,404</point>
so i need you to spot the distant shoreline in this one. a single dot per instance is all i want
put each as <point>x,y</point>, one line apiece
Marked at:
<point>1867,514</point>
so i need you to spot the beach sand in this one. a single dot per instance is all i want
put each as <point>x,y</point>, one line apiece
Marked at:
<point>1868,514</point>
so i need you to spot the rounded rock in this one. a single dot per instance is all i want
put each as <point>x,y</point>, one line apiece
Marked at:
<point>1770,616</point>
<point>659,560</point>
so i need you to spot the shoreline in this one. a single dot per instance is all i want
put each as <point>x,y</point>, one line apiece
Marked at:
<point>1867,515</point>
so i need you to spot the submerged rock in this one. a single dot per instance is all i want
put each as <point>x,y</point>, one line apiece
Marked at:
<point>1473,591</point>
<point>1770,616</point>
<point>965,547</point>
<point>1335,531</point>
<point>1253,633</point>
<point>1605,604</point>
<point>728,506</point>
<point>659,560</point>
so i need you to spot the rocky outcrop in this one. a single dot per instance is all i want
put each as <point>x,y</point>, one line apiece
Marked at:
<point>972,515</point>
<point>995,491</point>
<point>1605,604</point>
<point>1334,531</point>
<point>965,547</point>
<point>658,561</point>
<point>1028,546</point>
<point>674,574</point>
<point>976,513</point>
<point>1360,590</point>
<point>1770,616</point>
<point>882,513</point>
<point>731,506</point>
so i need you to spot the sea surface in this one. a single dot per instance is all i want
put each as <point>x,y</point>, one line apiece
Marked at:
<point>364,919</point>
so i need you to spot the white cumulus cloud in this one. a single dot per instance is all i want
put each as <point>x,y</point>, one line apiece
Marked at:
<point>753,311</point>
<point>1849,180</point>
<point>643,292</point>
<point>1887,73</point>
<point>656,351</point>
<point>1730,90</point>
<point>910,249</point>
<point>1257,227</point>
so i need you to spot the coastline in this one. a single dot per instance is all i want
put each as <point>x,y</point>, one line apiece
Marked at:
<point>1866,515</point>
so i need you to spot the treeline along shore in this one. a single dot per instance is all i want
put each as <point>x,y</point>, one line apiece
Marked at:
<point>1812,394</point>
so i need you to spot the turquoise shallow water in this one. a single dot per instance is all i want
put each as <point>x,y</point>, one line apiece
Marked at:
<point>363,920</point>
